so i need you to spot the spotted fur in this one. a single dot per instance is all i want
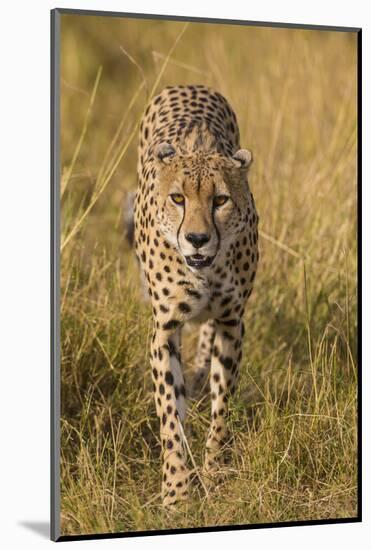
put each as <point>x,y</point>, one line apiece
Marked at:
<point>196,239</point>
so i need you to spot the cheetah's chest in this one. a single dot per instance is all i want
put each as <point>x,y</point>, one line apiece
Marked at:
<point>222,296</point>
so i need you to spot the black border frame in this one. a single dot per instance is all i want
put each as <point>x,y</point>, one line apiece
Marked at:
<point>55,271</point>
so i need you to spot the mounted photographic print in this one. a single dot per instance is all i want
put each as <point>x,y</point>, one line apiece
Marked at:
<point>205,225</point>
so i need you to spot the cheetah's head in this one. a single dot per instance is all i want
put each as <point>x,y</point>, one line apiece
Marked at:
<point>202,200</point>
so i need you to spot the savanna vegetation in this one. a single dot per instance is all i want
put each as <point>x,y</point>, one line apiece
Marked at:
<point>295,413</point>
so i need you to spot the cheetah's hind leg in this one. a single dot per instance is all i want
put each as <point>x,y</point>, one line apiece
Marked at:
<point>128,217</point>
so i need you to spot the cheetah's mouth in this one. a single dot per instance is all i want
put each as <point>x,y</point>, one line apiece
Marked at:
<point>199,261</point>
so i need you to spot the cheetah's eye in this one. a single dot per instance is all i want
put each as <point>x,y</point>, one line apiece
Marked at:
<point>219,200</point>
<point>177,198</point>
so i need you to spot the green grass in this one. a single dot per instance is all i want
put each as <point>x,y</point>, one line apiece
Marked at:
<point>294,415</point>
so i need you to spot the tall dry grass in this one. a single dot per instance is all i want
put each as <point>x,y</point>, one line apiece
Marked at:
<point>294,416</point>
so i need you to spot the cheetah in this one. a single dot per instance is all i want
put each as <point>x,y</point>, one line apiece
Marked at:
<point>196,238</point>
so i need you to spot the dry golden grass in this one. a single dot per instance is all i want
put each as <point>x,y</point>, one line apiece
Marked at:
<point>294,416</point>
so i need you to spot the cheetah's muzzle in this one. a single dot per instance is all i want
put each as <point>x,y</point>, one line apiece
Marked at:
<point>198,261</point>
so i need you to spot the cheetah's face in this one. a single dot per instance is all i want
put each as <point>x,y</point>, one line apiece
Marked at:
<point>202,201</point>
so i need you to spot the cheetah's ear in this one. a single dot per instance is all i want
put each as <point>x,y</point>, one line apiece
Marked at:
<point>242,158</point>
<point>164,152</point>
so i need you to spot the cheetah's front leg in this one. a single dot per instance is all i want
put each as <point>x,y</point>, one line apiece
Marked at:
<point>170,406</point>
<point>225,359</point>
<point>199,385</point>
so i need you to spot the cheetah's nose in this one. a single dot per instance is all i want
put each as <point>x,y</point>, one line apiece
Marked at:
<point>197,239</point>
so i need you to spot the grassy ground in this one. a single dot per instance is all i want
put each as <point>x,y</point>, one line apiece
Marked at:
<point>294,415</point>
